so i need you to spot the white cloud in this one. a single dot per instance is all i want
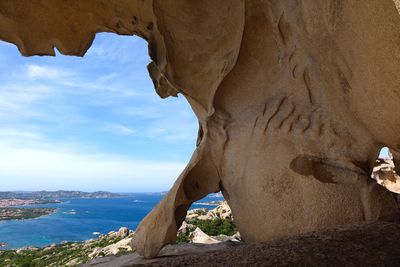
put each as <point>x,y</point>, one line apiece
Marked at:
<point>120,129</point>
<point>17,100</point>
<point>98,88</point>
<point>147,112</point>
<point>54,168</point>
<point>39,72</point>
<point>115,49</point>
<point>13,134</point>
<point>175,128</point>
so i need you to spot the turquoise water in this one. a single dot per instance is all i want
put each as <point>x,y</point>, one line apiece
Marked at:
<point>78,219</point>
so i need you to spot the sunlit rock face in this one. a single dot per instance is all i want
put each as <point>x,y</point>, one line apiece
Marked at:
<point>385,174</point>
<point>294,100</point>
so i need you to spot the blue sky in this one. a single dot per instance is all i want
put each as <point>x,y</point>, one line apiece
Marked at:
<point>91,123</point>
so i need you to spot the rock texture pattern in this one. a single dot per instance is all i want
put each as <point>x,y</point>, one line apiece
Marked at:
<point>294,100</point>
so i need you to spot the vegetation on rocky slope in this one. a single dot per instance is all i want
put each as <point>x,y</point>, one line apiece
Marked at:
<point>214,222</point>
<point>211,227</point>
<point>65,254</point>
<point>215,227</point>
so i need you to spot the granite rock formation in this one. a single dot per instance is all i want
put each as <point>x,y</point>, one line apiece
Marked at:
<point>385,174</point>
<point>294,100</point>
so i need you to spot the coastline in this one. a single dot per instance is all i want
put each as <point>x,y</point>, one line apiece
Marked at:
<point>209,203</point>
<point>6,203</point>
<point>95,213</point>
<point>20,214</point>
<point>20,205</point>
<point>200,226</point>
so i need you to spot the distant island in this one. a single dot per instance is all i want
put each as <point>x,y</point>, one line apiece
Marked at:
<point>209,203</point>
<point>55,195</point>
<point>24,213</point>
<point>23,202</point>
<point>11,202</point>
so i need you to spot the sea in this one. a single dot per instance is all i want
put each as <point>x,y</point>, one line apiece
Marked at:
<point>83,219</point>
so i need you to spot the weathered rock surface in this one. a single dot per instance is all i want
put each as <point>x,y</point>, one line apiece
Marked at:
<point>384,173</point>
<point>294,100</point>
<point>112,249</point>
<point>198,236</point>
<point>374,244</point>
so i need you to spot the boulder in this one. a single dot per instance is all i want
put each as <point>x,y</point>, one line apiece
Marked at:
<point>123,232</point>
<point>198,236</point>
<point>120,246</point>
<point>384,173</point>
<point>19,251</point>
<point>223,238</point>
<point>222,211</point>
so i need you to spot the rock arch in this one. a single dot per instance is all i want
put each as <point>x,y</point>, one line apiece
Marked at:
<point>294,100</point>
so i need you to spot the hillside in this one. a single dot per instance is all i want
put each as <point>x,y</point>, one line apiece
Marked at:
<point>60,194</point>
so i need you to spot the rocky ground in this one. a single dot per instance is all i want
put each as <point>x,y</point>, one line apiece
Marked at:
<point>373,244</point>
<point>201,226</point>
<point>208,226</point>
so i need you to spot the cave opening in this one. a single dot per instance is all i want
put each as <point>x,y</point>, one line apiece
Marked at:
<point>384,171</point>
<point>96,117</point>
<point>88,124</point>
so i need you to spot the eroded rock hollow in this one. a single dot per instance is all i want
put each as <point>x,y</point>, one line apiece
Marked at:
<point>294,100</point>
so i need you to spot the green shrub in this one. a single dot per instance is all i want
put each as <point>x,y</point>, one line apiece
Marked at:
<point>182,238</point>
<point>216,227</point>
